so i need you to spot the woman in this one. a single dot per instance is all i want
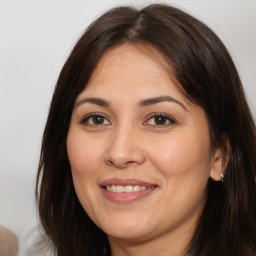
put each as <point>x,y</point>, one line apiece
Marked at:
<point>149,146</point>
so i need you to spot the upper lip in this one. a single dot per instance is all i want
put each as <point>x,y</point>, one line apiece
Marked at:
<point>126,182</point>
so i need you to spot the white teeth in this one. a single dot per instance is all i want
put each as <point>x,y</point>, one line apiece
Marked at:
<point>126,189</point>
<point>113,188</point>
<point>119,189</point>
<point>136,188</point>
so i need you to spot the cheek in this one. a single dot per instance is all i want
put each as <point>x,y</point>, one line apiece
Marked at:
<point>188,154</point>
<point>184,162</point>
<point>84,160</point>
<point>83,155</point>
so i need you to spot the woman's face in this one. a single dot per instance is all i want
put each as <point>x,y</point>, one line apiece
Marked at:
<point>139,151</point>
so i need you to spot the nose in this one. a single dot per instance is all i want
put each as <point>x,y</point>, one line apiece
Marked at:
<point>125,149</point>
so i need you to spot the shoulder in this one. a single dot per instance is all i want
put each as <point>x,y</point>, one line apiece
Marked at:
<point>8,242</point>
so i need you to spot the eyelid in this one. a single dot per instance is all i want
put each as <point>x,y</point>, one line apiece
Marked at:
<point>86,117</point>
<point>168,117</point>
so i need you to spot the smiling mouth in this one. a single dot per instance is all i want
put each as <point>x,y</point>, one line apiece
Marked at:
<point>128,188</point>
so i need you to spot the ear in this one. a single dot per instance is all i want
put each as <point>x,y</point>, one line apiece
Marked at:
<point>219,163</point>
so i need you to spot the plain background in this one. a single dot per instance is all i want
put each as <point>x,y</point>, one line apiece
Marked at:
<point>36,37</point>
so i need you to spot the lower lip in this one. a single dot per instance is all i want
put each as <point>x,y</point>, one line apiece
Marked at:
<point>126,197</point>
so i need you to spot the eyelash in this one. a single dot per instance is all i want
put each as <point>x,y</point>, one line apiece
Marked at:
<point>93,115</point>
<point>165,117</point>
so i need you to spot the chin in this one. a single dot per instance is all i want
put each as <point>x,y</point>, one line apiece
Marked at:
<point>135,235</point>
<point>125,229</point>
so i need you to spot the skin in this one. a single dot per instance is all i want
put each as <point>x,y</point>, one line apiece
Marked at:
<point>175,154</point>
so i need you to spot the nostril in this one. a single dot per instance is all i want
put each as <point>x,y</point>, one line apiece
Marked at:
<point>109,162</point>
<point>120,164</point>
<point>131,163</point>
<point>123,159</point>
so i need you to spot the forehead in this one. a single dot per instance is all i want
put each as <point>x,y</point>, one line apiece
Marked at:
<point>132,67</point>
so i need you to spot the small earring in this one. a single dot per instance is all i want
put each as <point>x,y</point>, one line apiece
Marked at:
<point>222,176</point>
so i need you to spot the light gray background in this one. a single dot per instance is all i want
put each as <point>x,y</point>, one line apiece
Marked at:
<point>35,39</point>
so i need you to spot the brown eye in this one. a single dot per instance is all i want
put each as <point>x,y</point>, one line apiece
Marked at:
<point>98,120</point>
<point>160,120</point>
<point>95,119</point>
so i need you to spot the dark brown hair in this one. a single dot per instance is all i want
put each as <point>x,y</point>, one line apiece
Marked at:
<point>208,77</point>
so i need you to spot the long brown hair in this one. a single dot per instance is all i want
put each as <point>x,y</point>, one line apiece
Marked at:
<point>208,77</point>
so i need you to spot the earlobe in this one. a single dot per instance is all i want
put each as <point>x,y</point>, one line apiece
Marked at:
<point>218,165</point>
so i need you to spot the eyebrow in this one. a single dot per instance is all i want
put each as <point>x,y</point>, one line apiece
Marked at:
<point>151,101</point>
<point>96,101</point>
<point>142,103</point>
